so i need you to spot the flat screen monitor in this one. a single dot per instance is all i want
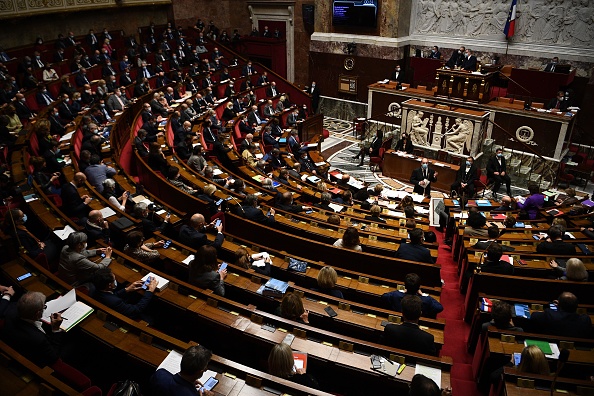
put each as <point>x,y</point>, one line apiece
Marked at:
<point>354,13</point>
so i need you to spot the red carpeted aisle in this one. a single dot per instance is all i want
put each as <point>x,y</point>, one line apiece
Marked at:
<point>456,330</point>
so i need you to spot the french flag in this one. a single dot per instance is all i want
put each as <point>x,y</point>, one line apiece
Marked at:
<point>510,25</point>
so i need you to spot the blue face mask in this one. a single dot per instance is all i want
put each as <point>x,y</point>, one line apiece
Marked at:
<point>57,151</point>
<point>500,155</point>
<point>468,163</point>
<point>24,219</point>
<point>425,166</point>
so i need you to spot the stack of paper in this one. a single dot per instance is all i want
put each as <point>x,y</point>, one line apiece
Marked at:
<point>162,283</point>
<point>107,212</point>
<point>63,234</point>
<point>430,372</point>
<point>73,312</point>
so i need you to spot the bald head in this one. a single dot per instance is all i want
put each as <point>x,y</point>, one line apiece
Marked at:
<point>249,137</point>
<point>79,178</point>
<point>197,221</point>
<point>506,200</point>
<point>95,215</point>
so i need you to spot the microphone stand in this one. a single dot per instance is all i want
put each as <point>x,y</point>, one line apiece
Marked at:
<point>563,357</point>
<point>239,204</point>
<point>519,85</point>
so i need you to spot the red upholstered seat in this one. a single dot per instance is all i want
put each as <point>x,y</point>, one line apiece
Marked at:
<point>71,376</point>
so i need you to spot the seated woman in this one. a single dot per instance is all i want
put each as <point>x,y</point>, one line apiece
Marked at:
<point>75,267</point>
<point>246,260</point>
<point>404,144</point>
<point>534,361</point>
<point>208,196</point>
<point>238,187</point>
<point>533,202</point>
<point>204,271</point>
<point>291,307</point>
<point>574,270</point>
<point>14,225</point>
<point>327,279</point>
<point>156,159</point>
<point>349,240</point>
<point>144,252</point>
<point>281,363</point>
<point>48,182</point>
<point>109,191</point>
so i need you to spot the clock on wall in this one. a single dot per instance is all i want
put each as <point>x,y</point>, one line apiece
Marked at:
<point>349,63</point>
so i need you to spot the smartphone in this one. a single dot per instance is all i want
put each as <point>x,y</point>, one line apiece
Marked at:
<point>552,306</point>
<point>223,266</point>
<point>517,358</point>
<point>146,282</point>
<point>220,201</point>
<point>268,214</point>
<point>536,237</point>
<point>168,214</point>
<point>167,244</point>
<point>332,313</point>
<point>24,276</point>
<point>308,211</point>
<point>210,383</point>
<point>218,222</point>
<point>102,255</point>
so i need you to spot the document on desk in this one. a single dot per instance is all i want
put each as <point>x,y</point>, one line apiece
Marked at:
<point>73,312</point>
<point>336,207</point>
<point>188,259</point>
<point>63,233</point>
<point>107,212</point>
<point>430,372</point>
<point>59,304</point>
<point>172,362</point>
<point>417,197</point>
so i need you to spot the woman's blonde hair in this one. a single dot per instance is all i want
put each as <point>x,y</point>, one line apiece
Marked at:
<point>375,210</point>
<point>281,361</point>
<point>327,277</point>
<point>534,361</point>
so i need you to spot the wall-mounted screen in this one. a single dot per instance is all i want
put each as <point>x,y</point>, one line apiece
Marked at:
<point>354,13</point>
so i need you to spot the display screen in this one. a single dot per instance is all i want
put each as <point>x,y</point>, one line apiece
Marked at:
<point>360,13</point>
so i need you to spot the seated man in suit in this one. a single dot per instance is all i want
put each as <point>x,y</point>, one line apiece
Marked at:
<point>469,63</point>
<point>565,321</point>
<point>274,159</point>
<point>193,364</point>
<point>493,233</point>
<point>550,67</point>
<point>558,103</point>
<point>422,178</point>
<point>501,317</point>
<point>52,156</point>
<point>268,139</point>
<point>554,244</point>
<point>375,214</point>
<point>29,336</point>
<point>414,250</point>
<point>122,300</point>
<point>497,171</point>
<point>73,204</point>
<point>494,264</point>
<point>116,102</point>
<point>397,74</point>
<point>286,204</point>
<point>430,306</point>
<point>325,200</point>
<point>250,210</point>
<point>435,54</point>
<point>465,178</point>
<point>96,227</point>
<point>192,234</point>
<point>151,222</point>
<point>408,335</point>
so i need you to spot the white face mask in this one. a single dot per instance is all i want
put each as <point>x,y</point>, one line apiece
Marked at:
<point>115,283</point>
<point>85,246</point>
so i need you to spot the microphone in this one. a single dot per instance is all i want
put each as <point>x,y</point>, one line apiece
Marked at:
<point>563,357</point>
<point>236,201</point>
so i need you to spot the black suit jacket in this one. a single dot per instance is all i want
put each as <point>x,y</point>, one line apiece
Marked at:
<point>410,337</point>
<point>194,239</point>
<point>399,78</point>
<point>256,215</point>
<point>72,203</point>
<point>43,349</point>
<point>412,252</point>
<point>407,148</point>
<point>493,166</point>
<point>469,63</point>
<point>417,176</point>
<point>562,323</point>
<point>553,103</point>
<point>117,301</point>
<point>466,177</point>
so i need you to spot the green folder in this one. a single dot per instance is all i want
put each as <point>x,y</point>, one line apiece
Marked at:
<point>543,345</point>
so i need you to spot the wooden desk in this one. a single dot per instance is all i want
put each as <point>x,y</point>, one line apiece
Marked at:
<point>400,167</point>
<point>464,85</point>
<point>538,84</point>
<point>424,70</point>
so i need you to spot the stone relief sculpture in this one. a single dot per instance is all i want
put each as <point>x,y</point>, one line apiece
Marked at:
<point>459,137</point>
<point>565,22</point>
<point>419,130</point>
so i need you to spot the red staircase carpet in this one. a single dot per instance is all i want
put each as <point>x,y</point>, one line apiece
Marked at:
<point>456,330</point>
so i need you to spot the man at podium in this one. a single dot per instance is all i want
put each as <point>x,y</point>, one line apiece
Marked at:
<point>550,67</point>
<point>457,58</point>
<point>397,74</point>
<point>469,63</point>
<point>558,103</point>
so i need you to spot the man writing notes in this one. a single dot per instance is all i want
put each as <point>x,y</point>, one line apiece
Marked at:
<point>422,178</point>
<point>497,171</point>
